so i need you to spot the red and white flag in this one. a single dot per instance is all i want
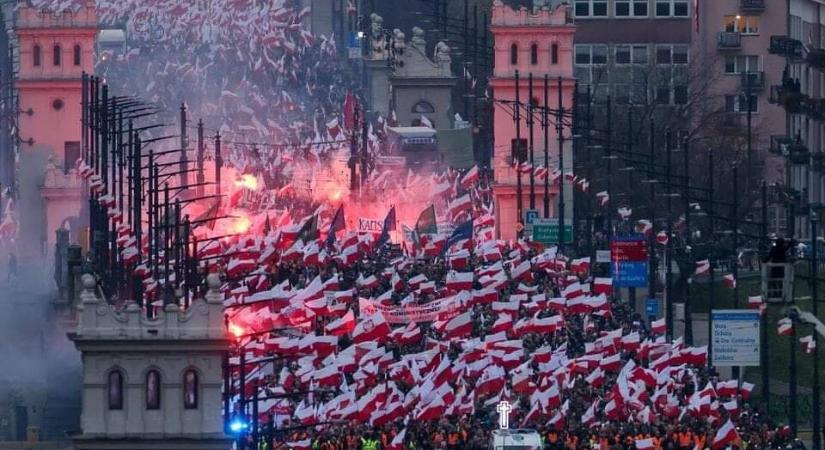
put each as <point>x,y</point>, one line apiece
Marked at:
<point>342,326</point>
<point>372,328</point>
<point>725,435</point>
<point>658,326</point>
<point>702,267</point>
<point>785,327</point>
<point>730,281</point>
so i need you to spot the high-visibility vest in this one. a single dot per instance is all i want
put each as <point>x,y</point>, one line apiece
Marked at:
<point>369,444</point>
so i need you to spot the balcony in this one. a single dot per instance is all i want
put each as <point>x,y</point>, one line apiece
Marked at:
<point>753,81</point>
<point>798,154</point>
<point>780,144</point>
<point>816,58</point>
<point>752,5</point>
<point>818,162</point>
<point>730,40</point>
<point>785,46</point>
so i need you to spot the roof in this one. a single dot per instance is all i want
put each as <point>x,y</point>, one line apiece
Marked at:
<point>111,35</point>
<point>414,131</point>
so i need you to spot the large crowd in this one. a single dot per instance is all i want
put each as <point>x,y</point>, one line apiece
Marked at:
<point>412,344</point>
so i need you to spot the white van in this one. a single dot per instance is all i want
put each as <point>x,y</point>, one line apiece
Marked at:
<point>516,439</point>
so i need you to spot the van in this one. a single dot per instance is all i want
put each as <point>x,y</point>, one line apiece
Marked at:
<point>516,439</point>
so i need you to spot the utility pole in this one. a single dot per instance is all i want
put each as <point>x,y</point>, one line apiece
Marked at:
<point>749,94</point>
<point>560,132</point>
<point>218,165</point>
<point>651,276</point>
<point>353,155</point>
<point>184,146</point>
<point>590,200</point>
<point>518,158</point>
<point>687,234</point>
<point>530,123</point>
<point>546,127</point>
<point>200,175</point>
<point>765,356</point>
<point>817,426</point>
<point>668,224</point>
<point>609,152</point>
<point>711,289</point>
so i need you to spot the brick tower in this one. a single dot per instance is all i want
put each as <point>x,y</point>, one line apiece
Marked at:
<point>54,50</point>
<point>540,43</point>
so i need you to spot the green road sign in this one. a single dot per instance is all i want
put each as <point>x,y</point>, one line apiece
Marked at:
<point>546,231</point>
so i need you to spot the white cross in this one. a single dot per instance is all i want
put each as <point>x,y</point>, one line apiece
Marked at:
<point>504,409</point>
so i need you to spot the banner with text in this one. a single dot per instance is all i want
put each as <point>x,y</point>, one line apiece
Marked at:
<point>370,225</point>
<point>443,309</point>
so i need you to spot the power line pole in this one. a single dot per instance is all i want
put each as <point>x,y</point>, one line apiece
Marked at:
<point>518,158</point>
<point>530,123</point>
<point>546,128</point>
<point>560,132</point>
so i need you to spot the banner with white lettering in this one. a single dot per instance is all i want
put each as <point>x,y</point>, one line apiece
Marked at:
<point>370,225</point>
<point>443,309</point>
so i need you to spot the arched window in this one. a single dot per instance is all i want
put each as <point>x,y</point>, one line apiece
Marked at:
<point>514,54</point>
<point>423,107</point>
<point>115,389</point>
<point>554,54</point>
<point>153,389</point>
<point>190,389</point>
<point>534,54</point>
<point>36,55</point>
<point>77,55</point>
<point>57,54</point>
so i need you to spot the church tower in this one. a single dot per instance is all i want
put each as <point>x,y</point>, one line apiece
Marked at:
<point>55,48</point>
<point>541,43</point>
<point>151,383</point>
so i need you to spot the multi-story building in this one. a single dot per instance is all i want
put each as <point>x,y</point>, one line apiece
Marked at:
<point>636,51</point>
<point>800,90</point>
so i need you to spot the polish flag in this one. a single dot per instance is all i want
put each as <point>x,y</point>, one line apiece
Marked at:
<point>755,302</point>
<point>603,197</point>
<point>395,282</point>
<point>702,267</point>
<point>808,343</point>
<point>611,363</point>
<point>603,286</point>
<point>522,271</point>
<point>305,444</point>
<point>433,411</point>
<point>727,388</point>
<point>644,444</point>
<point>645,227</point>
<point>725,435</point>
<point>398,441</point>
<point>460,281</point>
<point>730,281</point>
<point>745,390</point>
<point>470,177</point>
<point>785,327</point>
<point>342,326</point>
<point>459,326</point>
<point>658,326</point>
<point>373,328</point>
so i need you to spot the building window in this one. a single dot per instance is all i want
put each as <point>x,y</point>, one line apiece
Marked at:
<point>741,64</point>
<point>595,54</point>
<point>76,55</point>
<point>631,54</point>
<point>190,389</point>
<point>534,54</point>
<point>71,153</point>
<point>36,55</point>
<point>742,24</point>
<point>57,55</point>
<point>671,8</point>
<point>739,103</point>
<point>423,107</point>
<point>672,54</point>
<point>631,8</point>
<point>554,53</point>
<point>680,95</point>
<point>591,8</point>
<point>115,390</point>
<point>513,54</point>
<point>153,389</point>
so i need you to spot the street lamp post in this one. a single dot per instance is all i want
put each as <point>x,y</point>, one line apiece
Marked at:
<point>817,442</point>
